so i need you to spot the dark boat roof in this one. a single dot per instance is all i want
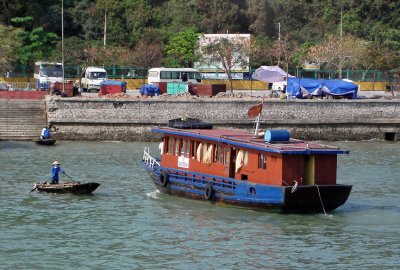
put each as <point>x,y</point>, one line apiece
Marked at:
<point>248,140</point>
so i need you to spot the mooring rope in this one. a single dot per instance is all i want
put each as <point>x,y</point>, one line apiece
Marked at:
<point>320,199</point>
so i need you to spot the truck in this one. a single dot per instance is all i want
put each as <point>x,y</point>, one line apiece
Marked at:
<point>91,78</point>
<point>46,74</point>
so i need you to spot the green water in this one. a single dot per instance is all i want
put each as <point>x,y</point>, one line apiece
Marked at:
<point>127,224</point>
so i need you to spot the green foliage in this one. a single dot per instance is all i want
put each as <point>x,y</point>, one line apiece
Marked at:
<point>8,44</point>
<point>36,44</point>
<point>129,23</point>
<point>180,49</point>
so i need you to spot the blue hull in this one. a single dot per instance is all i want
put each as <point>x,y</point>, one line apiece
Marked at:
<point>307,199</point>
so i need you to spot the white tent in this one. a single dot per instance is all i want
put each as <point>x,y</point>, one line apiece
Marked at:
<point>270,74</point>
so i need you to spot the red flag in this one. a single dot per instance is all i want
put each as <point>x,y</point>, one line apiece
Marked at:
<point>255,110</point>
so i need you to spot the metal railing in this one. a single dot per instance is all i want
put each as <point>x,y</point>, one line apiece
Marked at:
<point>148,159</point>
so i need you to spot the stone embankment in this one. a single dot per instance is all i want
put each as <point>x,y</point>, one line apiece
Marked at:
<point>21,119</point>
<point>131,118</point>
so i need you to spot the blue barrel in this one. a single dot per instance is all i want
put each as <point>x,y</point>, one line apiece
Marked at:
<point>277,135</point>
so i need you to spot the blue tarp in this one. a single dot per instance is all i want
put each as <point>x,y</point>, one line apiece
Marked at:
<point>301,88</point>
<point>149,89</point>
<point>123,84</point>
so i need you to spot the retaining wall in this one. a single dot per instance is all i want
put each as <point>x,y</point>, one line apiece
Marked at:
<point>131,119</point>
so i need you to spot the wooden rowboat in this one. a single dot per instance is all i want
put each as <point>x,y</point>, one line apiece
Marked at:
<point>45,141</point>
<point>76,188</point>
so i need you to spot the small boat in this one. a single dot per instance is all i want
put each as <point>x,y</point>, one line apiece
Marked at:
<point>41,141</point>
<point>76,188</point>
<point>252,170</point>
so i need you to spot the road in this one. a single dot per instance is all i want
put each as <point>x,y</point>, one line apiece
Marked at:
<point>266,93</point>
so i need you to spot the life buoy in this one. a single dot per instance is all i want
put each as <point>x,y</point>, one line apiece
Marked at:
<point>164,179</point>
<point>209,193</point>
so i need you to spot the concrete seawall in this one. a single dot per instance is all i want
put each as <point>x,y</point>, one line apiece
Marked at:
<point>131,119</point>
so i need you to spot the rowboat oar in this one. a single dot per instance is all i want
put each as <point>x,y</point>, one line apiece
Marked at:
<point>34,187</point>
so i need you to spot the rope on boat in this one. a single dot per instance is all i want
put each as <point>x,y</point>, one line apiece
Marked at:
<point>294,188</point>
<point>320,199</point>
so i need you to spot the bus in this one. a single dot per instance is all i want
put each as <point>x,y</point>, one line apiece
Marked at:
<point>47,73</point>
<point>157,75</point>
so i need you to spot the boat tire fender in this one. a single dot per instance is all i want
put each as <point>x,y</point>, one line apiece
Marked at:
<point>164,179</point>
<point>209,192</point>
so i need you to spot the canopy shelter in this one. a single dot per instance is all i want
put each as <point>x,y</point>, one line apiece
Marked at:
<point>270,74</point>
<point>302,88</point>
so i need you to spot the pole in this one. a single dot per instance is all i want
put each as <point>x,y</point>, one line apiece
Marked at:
<point>105,26</point>
<point>279,31</point>
<point>62,44</point>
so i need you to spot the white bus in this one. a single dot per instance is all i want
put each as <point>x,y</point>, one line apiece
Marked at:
<point>47,73</point>
<point>157,75</point>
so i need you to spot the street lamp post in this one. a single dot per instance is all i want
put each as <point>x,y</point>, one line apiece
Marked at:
<point>62,45</point>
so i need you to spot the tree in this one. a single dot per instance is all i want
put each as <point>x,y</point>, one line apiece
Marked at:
<point>339,52</point>
<point>180,50</point>
<point>36,44</point>
<point>8,45</point>
<point>229,51</point>
<point>282,52</point>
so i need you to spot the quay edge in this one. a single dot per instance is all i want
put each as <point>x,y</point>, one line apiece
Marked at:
<point>131,119</point>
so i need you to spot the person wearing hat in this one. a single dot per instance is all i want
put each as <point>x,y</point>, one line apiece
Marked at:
<point>55,170</point>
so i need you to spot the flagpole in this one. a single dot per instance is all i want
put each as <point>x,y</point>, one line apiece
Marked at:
<point>257,124</point>
<point>62,45</point>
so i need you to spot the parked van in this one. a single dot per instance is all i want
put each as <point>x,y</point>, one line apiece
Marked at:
<point>92,77</point>
<point>157,75</point>
<point>47,73</point>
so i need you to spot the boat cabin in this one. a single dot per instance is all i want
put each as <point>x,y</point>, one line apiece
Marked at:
<point>270,159</point>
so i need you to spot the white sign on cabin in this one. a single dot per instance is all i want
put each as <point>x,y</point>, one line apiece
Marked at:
<point>183,162</point>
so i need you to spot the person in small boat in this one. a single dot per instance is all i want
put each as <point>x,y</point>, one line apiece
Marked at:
<point>55,170</point>
<point>45,133</point>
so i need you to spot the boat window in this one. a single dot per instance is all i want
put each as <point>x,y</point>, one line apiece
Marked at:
<point>171,146</point>
<point>217,150</point>
<point>219,154</point>
<point>185,148</point>
<point>178,147</point>
<point>226,156</point>
<point>198,152</point>
<point>166,143</point>
<point>245,158</point>
<point>262,161</point>
<point>192,149</point>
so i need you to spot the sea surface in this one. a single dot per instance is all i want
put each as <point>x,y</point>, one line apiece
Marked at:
<point>128,224</point>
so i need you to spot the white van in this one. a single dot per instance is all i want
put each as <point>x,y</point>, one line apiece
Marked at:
<point>91,78</point>
<point>157,75</point>
<point>47,73</point>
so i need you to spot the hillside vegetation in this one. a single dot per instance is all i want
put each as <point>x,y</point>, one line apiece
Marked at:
<point>144,33</point>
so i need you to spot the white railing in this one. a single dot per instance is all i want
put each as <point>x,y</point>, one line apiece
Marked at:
<point>149,160</point>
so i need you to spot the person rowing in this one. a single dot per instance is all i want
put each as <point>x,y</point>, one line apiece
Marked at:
<point>55,170</point>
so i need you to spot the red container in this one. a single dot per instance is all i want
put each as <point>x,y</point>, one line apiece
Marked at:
<point>68,88</point>
<point>162,86</point>
<point>206,89</point>
<point>112,87</point>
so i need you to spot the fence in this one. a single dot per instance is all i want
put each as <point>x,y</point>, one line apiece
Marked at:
<point>117,72</point>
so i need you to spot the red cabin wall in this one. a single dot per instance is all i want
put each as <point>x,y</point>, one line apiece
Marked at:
<point>293,169</point>
<point>325,169</point>
<point>274,169</point>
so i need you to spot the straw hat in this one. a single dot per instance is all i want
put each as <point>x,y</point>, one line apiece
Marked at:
<point>56,163</point>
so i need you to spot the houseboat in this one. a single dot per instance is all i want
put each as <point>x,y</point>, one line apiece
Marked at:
<point>261,170</point>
